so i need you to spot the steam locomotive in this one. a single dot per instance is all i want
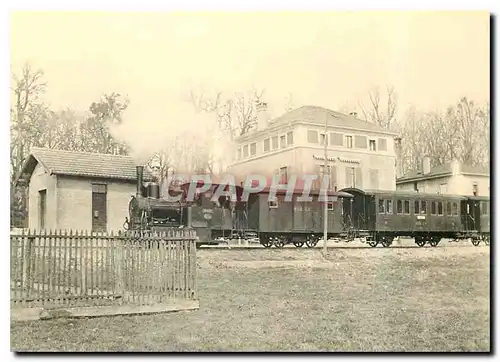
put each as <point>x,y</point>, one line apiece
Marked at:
<point>150,213</point>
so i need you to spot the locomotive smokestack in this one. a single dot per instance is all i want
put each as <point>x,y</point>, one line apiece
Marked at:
<point>140,179</point>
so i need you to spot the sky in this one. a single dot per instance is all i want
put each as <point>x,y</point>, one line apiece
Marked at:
<point>322,58</point>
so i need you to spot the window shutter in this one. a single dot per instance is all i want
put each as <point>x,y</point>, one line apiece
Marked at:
<point>359,178</point>
<point>348,177</point>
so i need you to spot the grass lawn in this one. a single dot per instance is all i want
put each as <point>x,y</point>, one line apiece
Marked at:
<point>429,299</point>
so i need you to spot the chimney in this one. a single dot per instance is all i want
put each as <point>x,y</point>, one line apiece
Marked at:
<point>262,116</point>
<point>140,179</point>
<point>426,165</point>
<point>399,157</point>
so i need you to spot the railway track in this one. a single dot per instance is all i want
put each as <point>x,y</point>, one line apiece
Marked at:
<point>224,246</point>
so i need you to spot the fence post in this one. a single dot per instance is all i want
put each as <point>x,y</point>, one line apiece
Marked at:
<point>120,283</point>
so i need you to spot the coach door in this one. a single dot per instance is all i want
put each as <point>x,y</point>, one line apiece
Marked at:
<point>471,214</point>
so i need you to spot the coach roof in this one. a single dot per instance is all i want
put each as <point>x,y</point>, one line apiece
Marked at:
<point>83,164</point>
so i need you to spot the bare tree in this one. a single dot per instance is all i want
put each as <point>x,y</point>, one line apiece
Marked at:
<point>378,112</point>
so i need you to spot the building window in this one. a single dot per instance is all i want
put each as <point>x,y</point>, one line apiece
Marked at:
<point>289,138</point>
<point>99,201</point>
<point>474,189</point>
<point>275,142</point>
<point>239,153</point>
<point>42,194</point>
<point>443,188</point>
<point>245,151</point>
<point>382,144</point>
<point>373,147</point>
<point>253,149</point>
<point>312,136</point>
<point>323,139</point>
<point>348,141</point>
<point>282,141</point>
<point>267,145</point>
<point>407,207</point>
<point>336,139</point>
<point>360,141</point>
<point>283,176</point>
<point>415,186</point>
<point>389,206</point>
<point>350,174</point>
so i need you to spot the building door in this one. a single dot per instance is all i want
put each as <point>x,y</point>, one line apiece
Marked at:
<point>43,208</point>
<point>99,200</point>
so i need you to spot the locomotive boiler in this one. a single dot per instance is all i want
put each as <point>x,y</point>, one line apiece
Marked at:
<point>147,212</point>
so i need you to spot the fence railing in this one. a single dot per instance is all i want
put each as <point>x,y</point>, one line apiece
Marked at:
<point>81,268</point>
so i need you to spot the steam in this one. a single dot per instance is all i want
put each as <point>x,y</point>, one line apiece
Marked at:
<point>180,132</point>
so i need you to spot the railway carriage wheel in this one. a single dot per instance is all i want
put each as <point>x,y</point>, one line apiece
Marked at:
<point>420,242</point>
<point>475,241</point>
<point>487,240</point>
<point>434,242</point>
<point>311,242</point>
<point>265,242</point>
<point>298,243</point>
<point>386,242</point>
<point>279,242</point>
<point>373,243</point>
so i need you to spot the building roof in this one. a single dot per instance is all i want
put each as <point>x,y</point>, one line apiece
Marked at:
<point>443,171</point>
<point>315,114</point>
<point>83,164</point>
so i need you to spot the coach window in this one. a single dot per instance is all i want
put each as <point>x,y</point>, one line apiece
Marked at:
<point>407,207</point>
<point>484,207</point>
<point>381,206</point>
<point>417,207</point>
<point>273,203</point>
<point>433,207</point>
<point>423,208</point>
<point>399,207</point>
<point>454,208</point>
<point>440,208</point>
<point>448,208</point>
<point>388,208</point>
<point>330,206</point>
